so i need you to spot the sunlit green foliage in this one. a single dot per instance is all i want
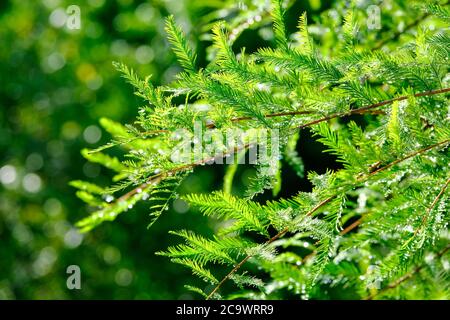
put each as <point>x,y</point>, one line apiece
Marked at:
<point>375,226</point>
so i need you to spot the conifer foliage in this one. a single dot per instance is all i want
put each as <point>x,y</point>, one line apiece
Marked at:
<point>375,228</point>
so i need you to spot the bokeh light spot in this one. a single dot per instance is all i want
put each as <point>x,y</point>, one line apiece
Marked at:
<point>8,174</point>
<point>32,183</point>
<point>92,134</point>
<point>124,277</point>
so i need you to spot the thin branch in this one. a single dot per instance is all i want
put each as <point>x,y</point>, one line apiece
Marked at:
<point>275,237</point>
<point>153,181</point>
<point>370,107</point>
<point>360,220</point>
<point>407,276</point>
<point>430,208</point>
<point>342,233</point>
<point>270,115</point>
<point>413,154</point>
<point>336,115</point>
<point>397,34</point>
<point>149,133</point>
<point>320,205</point>
<point>361,110</point>
<point>160,176</point>
<point>351,227</point>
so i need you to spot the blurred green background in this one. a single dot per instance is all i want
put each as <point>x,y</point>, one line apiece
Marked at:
<point>55,85</point>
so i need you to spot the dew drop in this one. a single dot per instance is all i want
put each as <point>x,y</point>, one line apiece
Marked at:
<point>109,198</point>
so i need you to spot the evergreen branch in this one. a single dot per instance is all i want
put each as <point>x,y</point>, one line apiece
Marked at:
<point>404,278</point>
<point>361,110</point>
<point>411,155</point>
<point>221,43</point>
<point>144,88</point>
<point>397,34</point>
<point>431,207</point>
<point>185,55</point>
<point>242,262</point>
<point>342,233</point>
<point>364,178</point>
<point>316,85</point>
<point>155,215</point>
<point>351,227</point>
<point>372,106</point>
<point>318,68</point>
<point>274,238</point>
<point>409,26</point>
<point>279,28</point>
<point>157,178</point>
<point>320,205</point>
<point>271,115</point>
